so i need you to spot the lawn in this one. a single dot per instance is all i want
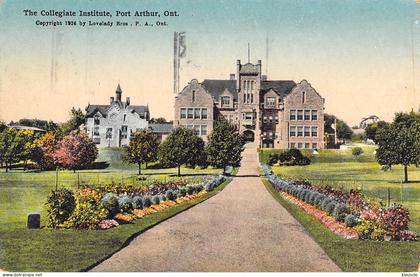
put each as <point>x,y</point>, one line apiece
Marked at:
<point>339,168</point>
<point>43,250</point>
<point>356,255</point>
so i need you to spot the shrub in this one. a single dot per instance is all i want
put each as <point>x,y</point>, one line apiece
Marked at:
<point>357,151</point>
<point>170,195</point>
<point>340,211</point>
<point>183,191</point>
<point>88,194</point>
<point>199,188</point>
<point>190,190</point>
<point>86,215</point>
<point>156,199</point>
<point>308,196</point>
<point>110,202</point>
<point>147,202</point>
<point>395,219</point>
<point>125,203</point>
<point>60,205</point>
<point>273,158</point>
<point>313,196</point>
<point>162,197</point>
<point>325,202</point>
<point>319,199</point>
<point>350,220</point>
<point>329,209</point>
<point>370,230</point>
<point>138,202</point>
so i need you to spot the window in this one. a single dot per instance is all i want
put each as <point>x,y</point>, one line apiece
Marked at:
<point>314,145</point>
<point>183,113</point>
<point>292,145</point>
<point>292,131</point>
<point>190,113</point>
<point>265,119</point>
<point>292,115</point>
<point>124,130</point>
<point>108,133</point>
<point>96,131</point>
<point>271,101</point>
<point>299,145</point>
<point>189,126</point>
<point>252,98</point>
<point>277,119</point>
<point>125,117</point>
<point>96,120</point>
<point>314,131</point>
<point>307,145</point>
<point>300,115</point>
<point>307,114</point>
<point>314,115</point>
<point>303,97</point>
<point>197,129</point>
<point>248,116</point>
<point>307,131</point>
<point>204,113</point>
<point>193,95</point>
<point>204,130</point>
<point>271,118</point>
<point>225,101</point>
<point>300,131</point>
<point>197,113</point>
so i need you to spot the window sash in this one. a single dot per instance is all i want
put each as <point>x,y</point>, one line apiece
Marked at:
<point>204,113</point>
<point>292,131</point>
<point>197,113</point>
<point>307,131</point>
<point>299,131</point>
<point>190,113</point>
<point>183,113</point>
<point>307,115</point>
<point>292,115</point>
<point>314,131</point>
<point>299,114</point>
<point>314,115</point>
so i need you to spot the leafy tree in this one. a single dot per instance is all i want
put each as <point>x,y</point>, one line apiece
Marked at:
<point>357,151</point>
<point>11,145</point>
<point>43,153</point>
<point>76,151</point>
<point>142,148</point>
<point>371,129</point>
<point>2,126</point>
<point>77,118</point>
<point>38,123</point>
<point>182,146</point>
<point>225,145</point>
<point>28,146</point>
<point>399,143</point>
<point>343,130</point>
<point>159,120</point>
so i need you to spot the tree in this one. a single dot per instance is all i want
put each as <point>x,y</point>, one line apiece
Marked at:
<point>371,129</point>
<point>38,123</point>
<point>76,151</point>
<point>182,146</point>
<point>343,130</point>
<point>11,145</point>
<point>28,146</point>
<point>142,148</point>
<point>399,143</point>
<point>159,120</point>
<point>43,153</point>
<point>77,118</point>
<point>225,145</point>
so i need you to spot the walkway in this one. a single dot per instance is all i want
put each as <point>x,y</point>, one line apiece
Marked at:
<point>240,229</point>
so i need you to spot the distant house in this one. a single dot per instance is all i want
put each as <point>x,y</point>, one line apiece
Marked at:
<point>162,130</point>
<point>368,120</point>
<point>112,125</point>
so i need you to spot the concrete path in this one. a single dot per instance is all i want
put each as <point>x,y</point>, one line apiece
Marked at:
<point>240,229</point>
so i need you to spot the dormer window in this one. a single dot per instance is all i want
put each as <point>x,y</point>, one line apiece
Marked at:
<point>225,100</point>
<point>271,101</point>
<point>96,120</point>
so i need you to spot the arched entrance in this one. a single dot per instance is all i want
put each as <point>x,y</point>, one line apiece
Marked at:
<point>248,136</point>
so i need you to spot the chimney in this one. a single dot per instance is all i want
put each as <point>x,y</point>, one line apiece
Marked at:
<point>263,77</point>
<point>238,69</point>
<point>111,100</point>
<point>232,76</point>
<point>127,101</point>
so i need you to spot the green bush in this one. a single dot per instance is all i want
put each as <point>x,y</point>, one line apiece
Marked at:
<point>156,199</point>
<point>190,190</point>
<point>147,202</point>
<point>60,205</point>
<point>273,158</point>
<point>370,230</point>
<point>340,212</point>
<point>357,151</point>
<point>110,202</point>
<point>329,209</point>
<point>162,197</point>
<point>350,220</point>
<point>138,202</point>
<point>325,203</point>
<point>183,191</point>
<point>170,195</point>
<point>125,203</point>
<point>86,215</point>
<point>319,199</point>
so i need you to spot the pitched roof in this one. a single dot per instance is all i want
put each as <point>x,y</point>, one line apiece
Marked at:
<point>139,109</point>
<point>282,87</point>
<point>161,128</point>
<point>103,109</point>
<point>217,87</point>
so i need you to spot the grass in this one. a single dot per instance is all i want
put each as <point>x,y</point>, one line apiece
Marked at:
<point>355,255</point>
<point>44,249</point>
<point>339,168</point>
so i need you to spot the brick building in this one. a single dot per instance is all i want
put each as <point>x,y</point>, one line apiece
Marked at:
<point>272,113</point>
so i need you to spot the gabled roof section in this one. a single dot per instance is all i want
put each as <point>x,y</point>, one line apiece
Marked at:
<point>93,109</point>
<point>281,87</point>
<point>217,87</point>
<point>139,109</point>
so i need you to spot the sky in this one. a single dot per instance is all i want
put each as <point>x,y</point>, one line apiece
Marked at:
<point>363,57</point>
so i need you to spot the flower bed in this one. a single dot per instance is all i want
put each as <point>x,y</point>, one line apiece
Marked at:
<point>109,206</point>
<point>349,210</point>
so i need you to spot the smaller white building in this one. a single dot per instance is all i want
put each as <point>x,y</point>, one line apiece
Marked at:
<point>112,125</point>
